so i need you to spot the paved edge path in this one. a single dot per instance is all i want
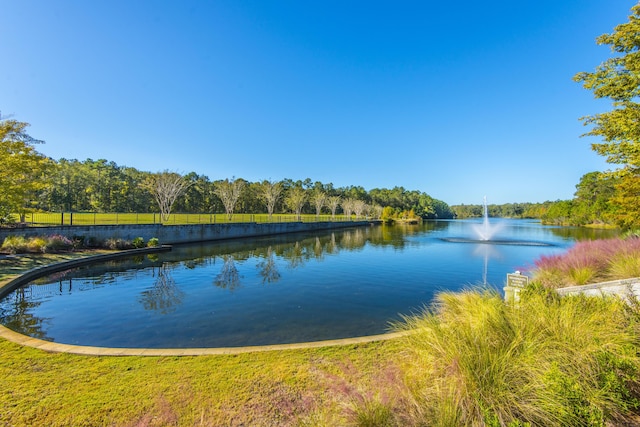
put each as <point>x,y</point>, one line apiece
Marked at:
<point>54,347</point>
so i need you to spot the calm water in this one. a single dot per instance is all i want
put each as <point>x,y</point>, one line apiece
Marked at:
<point>291,288</point>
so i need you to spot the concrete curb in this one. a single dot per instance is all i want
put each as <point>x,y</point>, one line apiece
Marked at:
<point>34,273</point>
<point>54,347</point>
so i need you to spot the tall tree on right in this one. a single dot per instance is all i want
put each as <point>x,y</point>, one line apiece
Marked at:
<point>618,79</point>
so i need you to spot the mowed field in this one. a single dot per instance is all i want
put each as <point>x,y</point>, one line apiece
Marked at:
<point>95,218</point>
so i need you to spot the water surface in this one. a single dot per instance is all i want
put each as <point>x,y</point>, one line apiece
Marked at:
<point>283,289</point>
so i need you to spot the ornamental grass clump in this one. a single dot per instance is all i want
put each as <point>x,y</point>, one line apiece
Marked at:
<point>590,262</point>
<point>58,243</point>
<point>15,245</point>
<point>473,360</point>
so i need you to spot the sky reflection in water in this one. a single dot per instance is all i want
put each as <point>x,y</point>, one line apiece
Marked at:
<point>290,288</point>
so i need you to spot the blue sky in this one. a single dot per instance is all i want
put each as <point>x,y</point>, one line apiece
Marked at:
<point>458,99</point>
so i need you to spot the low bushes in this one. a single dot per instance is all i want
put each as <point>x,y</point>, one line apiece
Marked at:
<point>20,244</point>
<point>59,243</point>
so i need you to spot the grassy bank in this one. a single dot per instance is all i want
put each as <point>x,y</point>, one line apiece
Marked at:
<point>259,389</point>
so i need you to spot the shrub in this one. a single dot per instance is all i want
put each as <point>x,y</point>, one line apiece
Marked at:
<point>93,242</point>
<point>475,360</point>
<point>78,242</point>
<point>117,244</point>
<point>15,245</point>
<point>624,267</point>
<point>38,244</point>
<point>59,243</point>
<point>582,275</point>
<point>138,242</point>
<point>153,242</point>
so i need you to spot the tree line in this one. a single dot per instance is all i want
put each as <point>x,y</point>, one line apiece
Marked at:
<point>593,204</point>
<point>32,182</point>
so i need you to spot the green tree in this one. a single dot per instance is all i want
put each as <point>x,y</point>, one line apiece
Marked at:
<point>295,200</point>
<point>618,79</point>
<point>592,197</point>
<point>23,170</point>
<point>626,203</point>
<point>559,212</point>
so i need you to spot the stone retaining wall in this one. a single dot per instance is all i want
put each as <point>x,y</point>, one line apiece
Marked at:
<point>172,234</point>
<point>624,288</point>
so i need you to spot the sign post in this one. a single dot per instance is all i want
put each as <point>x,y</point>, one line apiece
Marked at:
<point>516,282</point>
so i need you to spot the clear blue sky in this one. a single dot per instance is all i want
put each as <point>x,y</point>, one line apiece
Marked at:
<point>458,99</point>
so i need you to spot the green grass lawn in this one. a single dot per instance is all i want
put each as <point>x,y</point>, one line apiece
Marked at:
<point>112,218</point>
<point>257,389</point>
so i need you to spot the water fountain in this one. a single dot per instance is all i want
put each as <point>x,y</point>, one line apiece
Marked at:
<point>485,231</point>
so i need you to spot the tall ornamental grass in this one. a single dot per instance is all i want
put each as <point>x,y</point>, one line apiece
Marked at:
<point>590,262</point>
<point>473,360</point>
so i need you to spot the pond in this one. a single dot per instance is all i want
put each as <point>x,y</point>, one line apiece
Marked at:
<point>276,290</point>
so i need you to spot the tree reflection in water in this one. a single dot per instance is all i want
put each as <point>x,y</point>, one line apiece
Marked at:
<point>165,296</point>
<point>16,314</point>
<point>295,255</point>
<point>269,268</point>
<point>229,277</point>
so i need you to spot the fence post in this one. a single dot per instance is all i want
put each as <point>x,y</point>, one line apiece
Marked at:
<point>70,218</point>
<point>61,218</point>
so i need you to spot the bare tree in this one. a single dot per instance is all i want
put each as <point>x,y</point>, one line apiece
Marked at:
<point>229,192</point>
<point>229,277</point>
<point>359,207</point>
<point>270,192</point>
<point>269,267</point>
<point>347,207</point>
<point>296,199</point>
<point>376,211</point>
<point>319,198</point>
<point>166,187</point>
<point>333,202</point>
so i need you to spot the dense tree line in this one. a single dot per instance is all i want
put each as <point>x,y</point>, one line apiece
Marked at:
<point>102,186</point>
<point>33,182</point>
